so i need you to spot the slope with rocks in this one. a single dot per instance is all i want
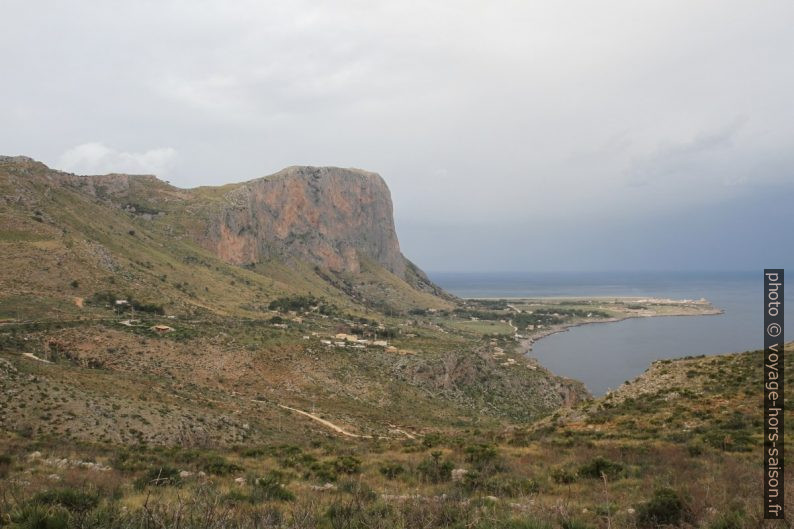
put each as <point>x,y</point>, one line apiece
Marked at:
<point>249,285</point>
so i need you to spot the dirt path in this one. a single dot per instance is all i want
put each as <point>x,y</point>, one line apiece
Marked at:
<point>36,358</point>
<point>329,424</point>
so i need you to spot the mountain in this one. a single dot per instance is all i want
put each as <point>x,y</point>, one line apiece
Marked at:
<point>322,231</point>
<point>203,357</point>
<point>251,284</point>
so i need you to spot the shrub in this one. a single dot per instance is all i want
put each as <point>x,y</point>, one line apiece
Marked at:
<point>431,440</point>
<point>598,466</point>
<point>514,523</point>
<point>391,470</point>
<point>106,515</point>
<point>5,465</point>
<point>481,455</point>
<point>563,475</point>
<point>733,519</point>
<point>347,465</point>
<point>500,484</point>
<point>271,488</point>
<point>434,470</point>
<point>296,303</point>
<point>330,470</point>
<point>37,516</point>
<point>666,507</point>
<point>70,499</point>
<point>324,471</point>
<point>220,467</point>
<point>159,476</point>
<point>695,448</point>
<point>575,524</point>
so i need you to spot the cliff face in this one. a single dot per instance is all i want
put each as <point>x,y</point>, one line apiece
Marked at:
<point>324,215</point>
<point>334,218</point>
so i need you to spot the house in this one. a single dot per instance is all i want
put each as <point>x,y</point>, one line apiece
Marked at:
<point>162,329</point>
<point>380,343</point>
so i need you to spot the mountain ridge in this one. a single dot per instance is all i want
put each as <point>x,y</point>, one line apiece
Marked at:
<point>329,218</point>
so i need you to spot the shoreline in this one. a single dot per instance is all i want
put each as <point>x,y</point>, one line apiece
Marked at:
<point>526,343</point>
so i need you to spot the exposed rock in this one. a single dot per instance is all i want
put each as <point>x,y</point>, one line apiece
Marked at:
<point>324,215</point>
<point>323,488</point>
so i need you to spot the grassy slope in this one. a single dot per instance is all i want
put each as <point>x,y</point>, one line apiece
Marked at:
<point>65,246</point>
<point>690,426</point>
<point>133,400</point>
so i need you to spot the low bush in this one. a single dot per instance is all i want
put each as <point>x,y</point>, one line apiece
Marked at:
<point>269,488</point>
<point>347,465</point>
<point>666,507</point>
<point>563,475</point>
<point>218,466</point>
<point>159,476</point>
<point>434,469</point>
<point>5,465</point>
<point>733,519</point>
<point>502,485</point>
<point>391,470</point>
<point>598,466</point>
<point>34,515</point>
<point>70,499</point>
<point>573,523</point>
<point>482,455</point>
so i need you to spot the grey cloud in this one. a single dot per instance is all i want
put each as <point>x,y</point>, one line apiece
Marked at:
<point>481,116</point>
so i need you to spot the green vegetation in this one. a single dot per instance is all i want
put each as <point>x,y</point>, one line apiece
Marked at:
<point>229,400</point>
<point>666,507</point>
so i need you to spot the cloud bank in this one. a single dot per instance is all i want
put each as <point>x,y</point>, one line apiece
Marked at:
<point>97,158</point>
<point>521,120</point>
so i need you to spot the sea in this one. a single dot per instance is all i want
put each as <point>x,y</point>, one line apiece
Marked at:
<point>604,355</point>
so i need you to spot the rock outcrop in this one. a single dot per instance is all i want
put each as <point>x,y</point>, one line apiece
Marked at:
<point>324,215</point>
<point>330,217</point>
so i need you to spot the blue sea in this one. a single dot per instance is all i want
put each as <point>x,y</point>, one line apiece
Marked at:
<point>603,356</point>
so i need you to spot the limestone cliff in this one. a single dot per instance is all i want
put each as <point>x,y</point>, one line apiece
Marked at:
<point>330,217</point>
<point>324,215</point>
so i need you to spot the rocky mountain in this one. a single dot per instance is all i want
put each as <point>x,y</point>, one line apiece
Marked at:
<point>336,222</point>
<point>325,215</point>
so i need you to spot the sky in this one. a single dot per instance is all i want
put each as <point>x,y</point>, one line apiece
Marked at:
<point>514,135</point>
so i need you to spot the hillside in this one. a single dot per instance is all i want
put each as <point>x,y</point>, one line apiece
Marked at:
<point>228,250</point>
<point>250,283</point>
<point>262,355</point>
<point>679,447</point>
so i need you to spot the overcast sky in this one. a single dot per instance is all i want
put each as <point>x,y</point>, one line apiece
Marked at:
<point>525,135</point>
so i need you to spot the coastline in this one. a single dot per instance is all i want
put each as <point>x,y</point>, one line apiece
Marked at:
<point>527,343</point>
